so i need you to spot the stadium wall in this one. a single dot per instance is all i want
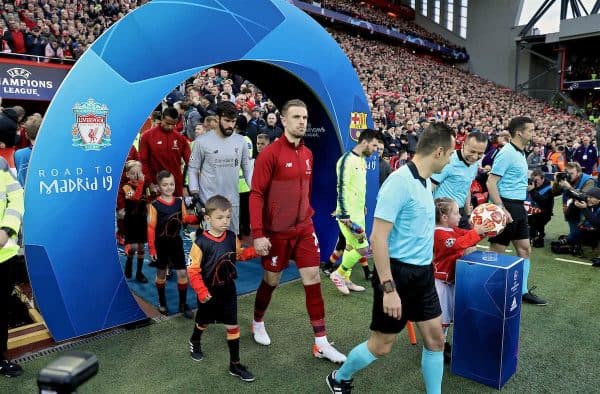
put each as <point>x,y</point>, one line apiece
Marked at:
<point>545,86</point>
<point>491,44</point>
<point>431,26</point>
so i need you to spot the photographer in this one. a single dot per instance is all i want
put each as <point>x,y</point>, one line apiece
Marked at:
<point>587,232</point>
<point>542,204</point>
<point>572,183</point>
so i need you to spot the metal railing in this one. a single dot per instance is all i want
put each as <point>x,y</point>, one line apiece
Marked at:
<point>37,59</point>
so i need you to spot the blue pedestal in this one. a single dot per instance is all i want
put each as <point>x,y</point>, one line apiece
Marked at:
<point>486,319</point>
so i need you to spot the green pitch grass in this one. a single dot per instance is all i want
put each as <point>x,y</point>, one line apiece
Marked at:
<point>559,349</point>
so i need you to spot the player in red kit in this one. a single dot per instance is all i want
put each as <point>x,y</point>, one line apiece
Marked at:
<point>161,148</point>
<point>282,226</point>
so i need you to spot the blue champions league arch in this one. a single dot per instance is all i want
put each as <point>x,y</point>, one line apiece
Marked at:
<point>80,151</point>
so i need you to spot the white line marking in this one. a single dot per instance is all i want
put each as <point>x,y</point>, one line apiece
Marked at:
<point>572,261</point>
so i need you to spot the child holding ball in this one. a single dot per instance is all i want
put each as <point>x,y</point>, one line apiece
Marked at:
<point>450,243</point>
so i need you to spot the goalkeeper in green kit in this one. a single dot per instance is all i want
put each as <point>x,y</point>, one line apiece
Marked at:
<point>351,171</point>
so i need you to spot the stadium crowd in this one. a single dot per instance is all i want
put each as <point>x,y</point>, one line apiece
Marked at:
<point>59,29</point>
<point>361,10</point>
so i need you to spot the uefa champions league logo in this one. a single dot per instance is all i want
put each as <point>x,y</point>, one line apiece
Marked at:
<point>90,131</point>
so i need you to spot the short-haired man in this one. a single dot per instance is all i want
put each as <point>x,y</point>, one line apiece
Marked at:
<point>402,242</point>
<point>455,179</point>
<point>161,148</point>
<point>586,155</point>
<point>282,226</point>
<point>262,140</point>
<point>351,172</point>
<point>216,160</point>
<point>271,127</point>
<point>507,187</point>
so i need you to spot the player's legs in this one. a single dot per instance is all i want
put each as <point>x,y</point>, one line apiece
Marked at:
<point>233,343</point>
<point>196,339</point>
<point>445,293</point>
<point>160,281</point>
<point>141,254</point>
<point>130,251</point>
<point>523,249</point>
<point>306,254</point>
<point>379,344</point>
<point>432,358</point>
<point>177,257</point>
<point>520,240</point>
<point>261,303</point>
<point>338,251</point>
<point>359,247</point>
<point>273,264</point>
<point>182,286</point>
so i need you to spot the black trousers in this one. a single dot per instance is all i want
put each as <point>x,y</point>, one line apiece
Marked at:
<point>6,286</point>
<point>245,213</point>
<point>537,224</point>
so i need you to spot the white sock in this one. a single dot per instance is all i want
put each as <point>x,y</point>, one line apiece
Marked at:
<point>258,324</point>
<point>321,341</point>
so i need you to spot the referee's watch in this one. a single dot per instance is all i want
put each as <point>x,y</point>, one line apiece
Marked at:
<point>388,286</point>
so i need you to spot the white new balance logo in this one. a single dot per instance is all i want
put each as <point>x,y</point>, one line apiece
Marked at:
<point>288,165</point>
<point>513,306</point>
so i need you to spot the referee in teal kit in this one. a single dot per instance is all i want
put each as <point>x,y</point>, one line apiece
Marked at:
<point>455,179</point>
<point>507,187</point>
<point>403,282</point>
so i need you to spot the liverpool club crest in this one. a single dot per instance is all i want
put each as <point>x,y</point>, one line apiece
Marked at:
<point>90,131</point>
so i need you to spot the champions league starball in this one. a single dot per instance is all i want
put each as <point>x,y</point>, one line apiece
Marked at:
<point>489,213</point>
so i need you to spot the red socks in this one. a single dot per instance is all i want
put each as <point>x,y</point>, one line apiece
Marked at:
<point>315,308</point>
<point>263,298</point>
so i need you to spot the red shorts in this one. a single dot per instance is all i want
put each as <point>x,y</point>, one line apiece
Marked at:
<point>303,249</point>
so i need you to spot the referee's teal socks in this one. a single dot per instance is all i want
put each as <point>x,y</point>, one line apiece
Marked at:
<point>360,357</point>
<point>526,266</point>
<point>432,365</point>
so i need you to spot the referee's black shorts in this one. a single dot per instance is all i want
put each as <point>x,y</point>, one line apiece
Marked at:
<point>416,286</point>
<point>518,228</point>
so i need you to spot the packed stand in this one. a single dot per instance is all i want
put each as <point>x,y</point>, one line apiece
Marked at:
<point>57,30</point>
<point>361,10</point>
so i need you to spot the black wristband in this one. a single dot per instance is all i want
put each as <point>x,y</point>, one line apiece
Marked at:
<point>388,286</point>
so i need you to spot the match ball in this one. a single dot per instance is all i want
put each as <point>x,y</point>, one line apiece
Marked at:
<point>489,213</point>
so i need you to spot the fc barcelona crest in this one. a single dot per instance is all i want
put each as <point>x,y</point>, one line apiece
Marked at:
<point>358,122</point>
<point>90,131</point>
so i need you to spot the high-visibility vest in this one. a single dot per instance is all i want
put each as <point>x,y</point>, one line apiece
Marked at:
<point>12,208</point>
<point>242,185</point>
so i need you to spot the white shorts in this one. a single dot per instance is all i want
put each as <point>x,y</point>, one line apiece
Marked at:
<point>446,295</point>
